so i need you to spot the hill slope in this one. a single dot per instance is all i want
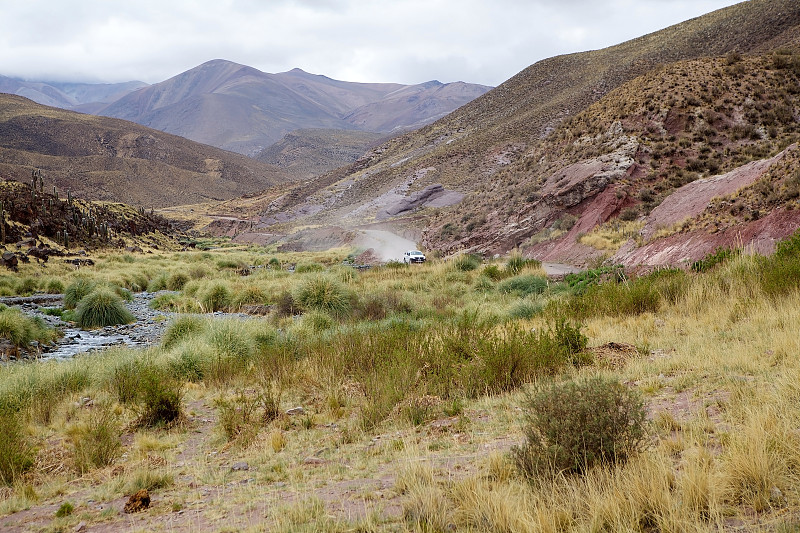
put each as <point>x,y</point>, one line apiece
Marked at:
<point>590,119</point>
<point>239,108</point>
<point>102,158</point>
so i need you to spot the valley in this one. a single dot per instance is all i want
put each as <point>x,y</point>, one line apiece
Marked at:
<point>206,321</point>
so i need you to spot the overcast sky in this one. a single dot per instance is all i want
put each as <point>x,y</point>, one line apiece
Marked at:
<point>402,41</point>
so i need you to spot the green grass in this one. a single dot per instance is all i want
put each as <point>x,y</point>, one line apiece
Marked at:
<point>100,308</point>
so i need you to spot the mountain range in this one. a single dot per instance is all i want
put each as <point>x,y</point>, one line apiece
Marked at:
<point>583,142</point>
<point>654,151</point>
<point>256,109</point>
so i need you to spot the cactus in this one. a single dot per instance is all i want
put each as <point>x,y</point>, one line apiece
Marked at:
<point>66,239</point>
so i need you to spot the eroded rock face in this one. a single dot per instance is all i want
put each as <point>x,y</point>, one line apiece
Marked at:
<point>431,196</point>
<point>693,198</point>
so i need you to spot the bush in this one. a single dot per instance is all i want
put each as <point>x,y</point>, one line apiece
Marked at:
<point>523,285</point>
<point>159,397</point>
<point>516,263</point>
<point>16,453</point>
<point>182,328</point>
<point>216,297</point>
<point>308,267</point>
<point>718,257</point>
<point>96,443</point>
<point>323,294</point>
<point>574,425</point>
<point>102,308</point>
<point>76,291</point>
<point>54,286</point>
<point>21,330</point>
<point>493,272</point>
<point>467,262</point>
<point>176,281</point>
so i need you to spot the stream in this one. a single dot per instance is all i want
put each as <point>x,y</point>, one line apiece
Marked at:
<point>146,331</point>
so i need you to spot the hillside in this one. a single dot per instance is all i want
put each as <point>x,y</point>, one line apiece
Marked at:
<point>308,153</point>
<point>257,109</point>
<point>101,158</point>
<point>630,123</point>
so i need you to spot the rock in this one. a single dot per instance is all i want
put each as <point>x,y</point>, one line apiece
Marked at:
<point>311,460</point>
<point>240,466</point>
<point>81,526</point>
<point>296,411</point>
<point>138,502</point>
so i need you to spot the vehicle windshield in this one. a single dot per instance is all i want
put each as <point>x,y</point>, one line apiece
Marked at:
<point>415,252</point>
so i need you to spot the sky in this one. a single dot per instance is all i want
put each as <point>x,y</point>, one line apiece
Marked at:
<point>399,41</point>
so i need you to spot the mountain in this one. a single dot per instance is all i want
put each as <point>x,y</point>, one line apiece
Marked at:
<point>102,158</point>
<point>84,97</point>
<point>242,109</point>
<point>586,143</point>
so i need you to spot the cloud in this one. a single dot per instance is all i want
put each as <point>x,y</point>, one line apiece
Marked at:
<point>407,41</point>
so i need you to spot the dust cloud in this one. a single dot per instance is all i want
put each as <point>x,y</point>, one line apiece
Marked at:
<point>387,245</point>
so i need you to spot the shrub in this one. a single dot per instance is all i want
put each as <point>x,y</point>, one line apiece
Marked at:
<point>65,509</point>
<point>159,397</point>
<point>493,272</point>
<point>76,291</point>
<point>323,294</point>
<point>216,297</point>
<point>525,309</point>
<point>16,453</point>
<point>96,443</point>
<point>181,328</point>
<point>717,257</point>
<point>285,305</point>
<point>21,330</point>
<point>159,283</point>
<point>176,281</point>
<point>523,285</point>
<point>483,284</point>
<point>467,262</point>
<point>574,425</point>
<point>101,308</point>
<point>308,267</point>
<point>54,286</point>
<point>516,263</point>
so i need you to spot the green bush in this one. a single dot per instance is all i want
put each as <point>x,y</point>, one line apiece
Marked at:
<point>718,257</point>
<point>176,281</point>
<point>516,264</point>
<point>483,284</point>
<point>215,297</point>
<point>302,268</point>
<point>524,285</point>
<point>158,283</point>
<point>467,262</point>
<point>181,328</point>
<point>27,286</point>
<point>21,330</point>
<point>494,273</point>
<point>96,443</point>
<point>16,453</point>
<point>322,293</point>
<point>65,509</point>
<point>54,286</point>
<point>159,397</point>
<point>76,291</point>
<point>100,308</point>
<point>571,426</point>
<point>525,309</point>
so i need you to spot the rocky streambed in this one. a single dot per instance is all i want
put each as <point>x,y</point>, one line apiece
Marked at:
<point>145,331</point>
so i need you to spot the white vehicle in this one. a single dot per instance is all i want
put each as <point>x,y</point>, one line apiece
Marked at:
<point>413,256</point>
